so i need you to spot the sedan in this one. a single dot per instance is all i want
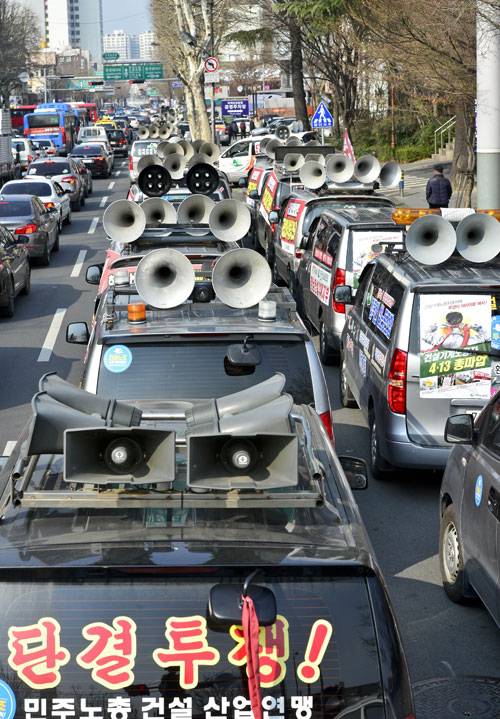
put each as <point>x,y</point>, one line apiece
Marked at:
<point>15,272</point>
<point>64,171</point>
<point>95,157</point>
<point>118,142</point>
<point>33,224</point>
<point>50,192</point>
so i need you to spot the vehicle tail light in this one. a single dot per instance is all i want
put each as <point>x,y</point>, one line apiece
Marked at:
<point>101,158</point>
<point>26,229</point>
<point>30,158</point>
<point>326,420</point>
<point>396,390</point>
<point>49,205</point>
<point>338,279</point>
<point>69,179</point>
<point>299,254</point>
<point>130,163</point>
<point>63,135</point>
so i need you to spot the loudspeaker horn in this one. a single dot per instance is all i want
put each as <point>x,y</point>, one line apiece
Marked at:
<point>188,149</point>
<point>143,133</point>
<point>159,212</point>
<point>164,132</point>
<point>154,181</point>
<point>283,132</point>
<point>431,240</point>
<point>195,210</point>
<point>202,178</point>
<point>241,278</point>
<point>154,132</point>
<point>390,175</point>
<point>175,164</point>
<point>293,161</point>
<point>478,238</point>
<point>170,148</point>
<point>124,221</point>
<point>115,455</point>
<point>199,159</point>
<point>312,175</point>
<point>263,144</point>
<point>293,140</point>
<point>197,144</point>
<point>339,168</point>
<point>211,150</point>
<point>164,278</point>
<point>271,147</point>
<point>229,220</point>
<point>315,157</point>
<point>147,161</point>
<point>367,169</point>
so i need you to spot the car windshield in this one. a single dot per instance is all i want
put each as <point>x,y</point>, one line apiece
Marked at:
<point>49,169</point>
<point>87,150</point>
<point>43,120</point>
<point>41,189</point>
<point>201,369</point>
<point>15,208</point>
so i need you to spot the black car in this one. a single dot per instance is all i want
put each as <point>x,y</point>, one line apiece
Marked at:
<point>33,224</point>
<point>118,141</point>
<point>15,273</point>
<point>94,157</point>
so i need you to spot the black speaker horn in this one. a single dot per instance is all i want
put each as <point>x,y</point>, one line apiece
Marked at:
<point>154,181</point>
<point>202,179</point>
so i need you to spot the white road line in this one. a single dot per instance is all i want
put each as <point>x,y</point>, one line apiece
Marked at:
<point>9,447</point>
<point>111,185</point>
<point>50,339</point>
<point>79,263</point>
<point>103,201</point>
<point>93,225</point>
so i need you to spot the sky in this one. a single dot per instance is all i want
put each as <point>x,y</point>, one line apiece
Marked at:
<point>129,15</point>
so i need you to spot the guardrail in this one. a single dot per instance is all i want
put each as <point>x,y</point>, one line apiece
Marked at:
<point>445,127</point>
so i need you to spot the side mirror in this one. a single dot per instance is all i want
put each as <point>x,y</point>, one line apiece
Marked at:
<point>356,471</point>
<point>343,294</point>
<point>94,274</point>
<point>253,195</point>
<point>273,216</point>
<point>459,429</point>
<point>77,333</point>
<point>243,182</point>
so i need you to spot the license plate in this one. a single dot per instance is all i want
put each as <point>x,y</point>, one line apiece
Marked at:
<point>88,162</point>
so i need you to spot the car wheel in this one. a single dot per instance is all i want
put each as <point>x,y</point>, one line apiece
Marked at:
<point>327,355</point>
<point>451,559</point>
<point>82,201</point>
<point>91,188</point>
<point>68,219</point>
<point>8,309</point>
<point>380,468</point>
<point>346,396</point>
<point>27,281</point>
<point>45,258</point>
<point>55,247</point>
<point>76,207</point>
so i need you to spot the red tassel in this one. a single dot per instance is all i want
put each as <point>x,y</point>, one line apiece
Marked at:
<point>250,623</point>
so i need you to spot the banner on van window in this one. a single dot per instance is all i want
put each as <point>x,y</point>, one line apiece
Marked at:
<point>449,326</point>
<point>267,201</point>
<point>288,237</point>
<point>362,248</point>
<point>254,179</point>
<point>319,283</point>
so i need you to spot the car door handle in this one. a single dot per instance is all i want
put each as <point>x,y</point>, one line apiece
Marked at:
<point>494,503</point>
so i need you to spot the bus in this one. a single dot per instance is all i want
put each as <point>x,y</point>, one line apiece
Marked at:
<point>87,111</point>
<point>17,114</point>
<point>54,121</point>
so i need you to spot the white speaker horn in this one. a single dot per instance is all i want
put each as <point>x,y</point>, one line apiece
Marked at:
<point>271,147</point>
<point>164,278</point>
<point>188,149</point>
<point>263,144</point>
<point>478,238</point>
<point>159,212</point>
<point>143,133</point>
<point>196,145</point>
<point>367,169</point>
<point>195,210</point>
<point>164,132</point>
<point>431,240</point>
<point>229,220</point>
<point>315,157</point>
<point>211,150</point>
<point>293,161</point>
<point>175,164</point>
<point>170,148</point>
<point>312,175</point>
<point>339,168</point>
<point>154,132</point>
<point>124,221</point>
<point>241,278</point>
<point>199,159</point>
<point>293,140</point>
<point>390,175</point>
<point>147,160</point>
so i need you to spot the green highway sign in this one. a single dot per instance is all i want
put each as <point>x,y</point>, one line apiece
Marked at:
<point>134,71</point>
<point>111,56</point>
<point>83,83</point>
<point>152,92</point>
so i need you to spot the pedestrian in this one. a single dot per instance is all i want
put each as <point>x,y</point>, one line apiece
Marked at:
<point>402,184</point>
<point>252,124</point>
<point>438,190</point>
<point>243,128</point>
<point>233,131</point>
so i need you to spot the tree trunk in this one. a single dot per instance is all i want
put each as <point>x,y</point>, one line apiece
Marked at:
<point>462,176</point>
<point>190,109</point>
<point>297,72</point>
<point>201,124</point>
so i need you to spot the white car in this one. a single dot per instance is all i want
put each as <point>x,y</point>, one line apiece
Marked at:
<point>50,193</point>
<point>139,149</point>
<point>26,151</point>
<point>94,132</point>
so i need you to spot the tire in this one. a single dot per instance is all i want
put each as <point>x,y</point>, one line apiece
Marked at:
<point>27,282</point>
<point>346,396</point>
<point>380,468</point>
<point>45,258</point>
<point>82,200</point>
<point>76,207</point>
<point>91,188</point>
<point>8,310</point>
<point>451,559</point>
<point>326,353</point>
<point>68,219</point>
<point>56,244</point>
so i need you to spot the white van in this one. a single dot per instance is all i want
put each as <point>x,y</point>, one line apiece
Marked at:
<point>94,132</point>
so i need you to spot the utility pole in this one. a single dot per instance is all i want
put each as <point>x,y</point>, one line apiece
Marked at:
<point>488,106</point>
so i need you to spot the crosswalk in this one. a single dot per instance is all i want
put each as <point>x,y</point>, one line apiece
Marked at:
<point>411,183</point>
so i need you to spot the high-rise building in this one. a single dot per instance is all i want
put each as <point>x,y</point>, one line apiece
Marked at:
<point>135,50</point>
<point>118,41</point>
<point>146,47</point>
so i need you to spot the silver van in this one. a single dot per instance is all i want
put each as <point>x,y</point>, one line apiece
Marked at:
<point>414,350</point>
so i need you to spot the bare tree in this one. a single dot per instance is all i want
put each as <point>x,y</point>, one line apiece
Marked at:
<point>18,40</point>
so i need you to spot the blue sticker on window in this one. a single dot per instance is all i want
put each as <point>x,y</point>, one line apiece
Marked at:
<point>478,490</point>
<point>117,358</point>
<point>7,701</point>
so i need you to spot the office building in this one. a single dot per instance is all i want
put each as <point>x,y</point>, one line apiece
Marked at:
<point>118,41</point>
<point>135,50</point>
<point>146,46</point>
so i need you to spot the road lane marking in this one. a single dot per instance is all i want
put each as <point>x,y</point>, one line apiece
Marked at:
<point>93,225</point>
<point>79,263</point>
<point>103,201</point>
<point>111,185</point>
<point>51,338</point>
<point>9,448</point>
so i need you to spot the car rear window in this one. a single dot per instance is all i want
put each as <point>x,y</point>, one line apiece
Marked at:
<point>144,148</point>
<point>49,169</point>
<point>199,370</point>
<point>363,248</point>
<point>42,189</point>
<point>15,208</point>
<point>87,150</point>
<point>116,134</point>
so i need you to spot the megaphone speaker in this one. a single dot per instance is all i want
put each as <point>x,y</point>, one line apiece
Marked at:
<point>143,133</point>
<point>170,148</point>
<point>339,168</point>
<point>187,148</point>
<point>312,174</point>
<point>154,181</point>
<point>315,157</point>
<point>390,175</point>
<point>164,132</point>
<point>124,221</point>
<point>241,278</point>
<point>196,145</point>
<point>271,147</point>
<point>478,238</point>
<point>148,160</point>
<point>159,212</point>
<point>115,455</point>
<point>175,164</point>
<point>202,178</point>
<point>293,161</point>
<point>283,132</point>
<point>230,220</point>
<point>195,210</point>
<point>154,132</point>
<point>367,169</point>
<point>431,240</point>
<point>164,278</point>
<point>211,150</point>
<point>293,140</point>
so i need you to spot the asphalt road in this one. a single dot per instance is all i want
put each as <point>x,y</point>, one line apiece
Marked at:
<point>401,515</point>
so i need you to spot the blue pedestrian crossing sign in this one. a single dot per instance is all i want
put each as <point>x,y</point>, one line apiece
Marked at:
<point>322,117</point>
